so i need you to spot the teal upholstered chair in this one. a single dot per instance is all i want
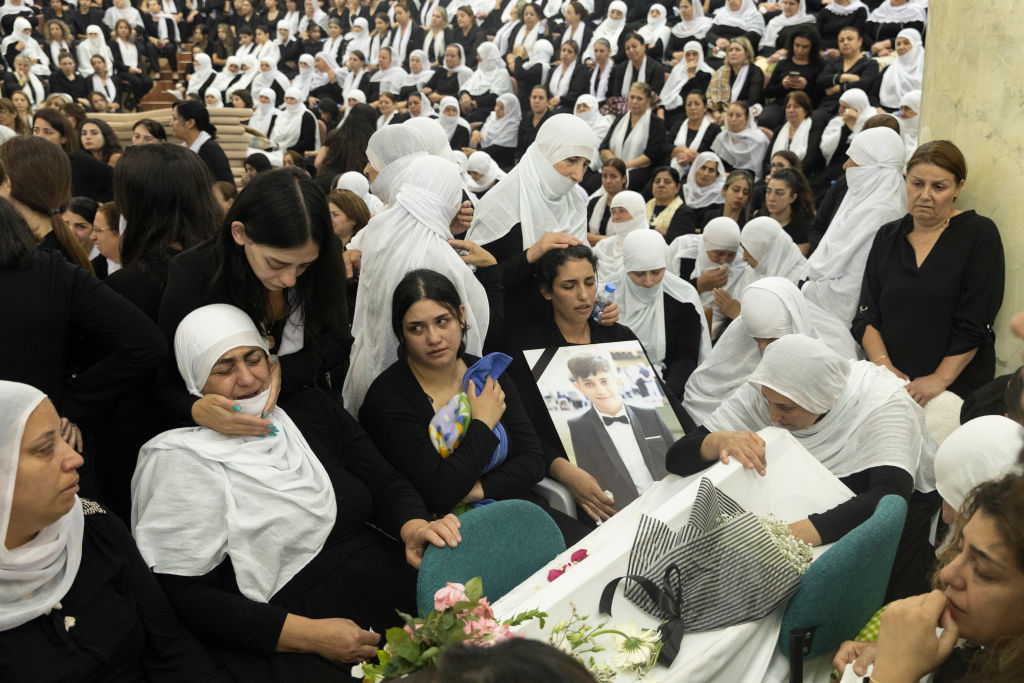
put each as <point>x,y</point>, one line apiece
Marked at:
<point>843,588</point>
<point>504,543</point>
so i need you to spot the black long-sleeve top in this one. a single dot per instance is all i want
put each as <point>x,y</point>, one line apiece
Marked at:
<point>396,413</point>
<point>944,307</point>
<point>729,32</point>
<point>217,161</point>
<point>190,285</point>
<point>875,31</point>
<point>367,489</point>
<point>864,67</point>
<point>579,84</point>
<point>710,133</point>
<point>525,80</point>
<point>91,178</point>
<point>682,343</point>
<point>124,629</point>
<point>830,24</point>
<point>78,87</point>
<point>654,76</point>
<point>75,339</point>
<point>528,132</point>
<point>443,83</point>
<point>870,486</point>
<point>813,161</point>
<point>656,148</point>
<point>775,91</point>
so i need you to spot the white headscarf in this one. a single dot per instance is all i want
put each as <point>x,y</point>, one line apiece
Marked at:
<point>249,72</point>
<point>264,79</point>
<point>982,450</point>
<point>772,307</point>
<point>34,576</point>
<point>490,76</point>
<point>609,251</point>
<point>481,162</point>
<point>390,151</point>
<point>775,26</point>
<point>356,182</point>
<point>217,96</point>
<point>609,29</point>
<point>856,98</point>
<point>745,149</point>
<point>592,116</point>
<point>643,308</point>
<point>198,495</point>
<point>629,144</point>
<point>10,7</point>
<point>21,31</point>
<point>877,195</point>
<point>656,28</point>
<point>303,82</point>
<point>503,132</point>
<point>94,44</point>
<point>224,78</point>
<point>697,197</point>
<point>869,419</point>
<point>905,74</point>
<point>462,71</point>
<point>426,73</point>
<point>448,122</point>
<point>541,53</point>
<point>672,92</point>
<point>904,14</point>
<point>909,126</point>
<point>534,194</point>
<point>561,78</point>
<point>413,233</point>
<point>263,114</point>
<point>836,8</point>
<point>773,249</point>
<point>746,17</point>
<point>358,41</point>
<point>696,27</point>
<point>432,138</point>
<point>203,71</point>
<point>288,128</point>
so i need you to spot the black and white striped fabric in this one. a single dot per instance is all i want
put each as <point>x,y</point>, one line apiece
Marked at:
<point>709,574</point>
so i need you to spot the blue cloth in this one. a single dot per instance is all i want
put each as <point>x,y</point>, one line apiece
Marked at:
<point>492,365</point>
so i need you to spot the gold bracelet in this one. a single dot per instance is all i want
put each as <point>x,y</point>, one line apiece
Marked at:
<point>879,358</point>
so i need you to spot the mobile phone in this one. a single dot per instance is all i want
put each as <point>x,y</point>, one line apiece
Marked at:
<point>794,74</point>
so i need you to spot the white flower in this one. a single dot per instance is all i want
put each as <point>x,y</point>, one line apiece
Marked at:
<point>69,623</point>
<point>635,649</point>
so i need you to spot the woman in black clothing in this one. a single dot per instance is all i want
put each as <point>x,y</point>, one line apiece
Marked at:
<point>65,79</point>
<point>694,133</point>
<point>445,81</point>
<point>735,200</point>
<point>933,284</point>
<point>797,72</point>
<point>190,121</point>
<point>485,461</point>
<point>625,74</point>
<point>838,15</point>
<point>78,603</point>
<point>851,69</point>
<point>128,62</point>
<point>637,137</point>
<point>666,213</point>
<point>263,546</point>
<point>788,200</point>
<point>539,113</point>
<point>568,80</point>
<point>467,34</point>
<point>887,20</point>
<point>533,71</point>
<point>613,181</point>
<point>284,268</point>
<point>798,134</point>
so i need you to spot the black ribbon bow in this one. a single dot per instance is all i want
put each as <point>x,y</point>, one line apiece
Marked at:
<point>608,421</point>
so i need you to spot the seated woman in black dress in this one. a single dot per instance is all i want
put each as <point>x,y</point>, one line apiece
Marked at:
<point>933,284</point>
<point>798,134</point>
<point>77,601</point>
<point>798,71</point>
<point>442,418</point>
<point>262,544</point>
<point>637,137</point>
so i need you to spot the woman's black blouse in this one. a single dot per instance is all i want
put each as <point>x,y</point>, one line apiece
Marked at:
<point>864,67</point>
<point>830,24</point>
<point>945,307</point>
<point>124,630</point>
<point>655,147</point>
<point>774,91</point>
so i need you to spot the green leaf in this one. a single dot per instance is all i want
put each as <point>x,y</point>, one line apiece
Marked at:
<point>402,646</point>
<point>474,588</point>
<point>523,617</point>
<point>430,655</point>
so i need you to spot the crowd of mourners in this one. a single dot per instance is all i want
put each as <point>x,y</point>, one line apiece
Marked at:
<point>272,386</point>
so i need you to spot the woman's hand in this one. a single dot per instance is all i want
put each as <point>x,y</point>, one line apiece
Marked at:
<point>908,647</point>
<point>550,240</point>
<point>340,640</point>
<point>849,78</point>
<point>609,315</point>
<point>726,304</point>
<point>275,385</point>
<point>584,489</point>
<point>850,116</point>
<point>476,255</point>
<point>222,415</point>
<point>351,258</point>
<point>463,219</point>
<point>417,534</point>
<point>746,447</point>
<point>861,653</point>
<point>712,278</point>
<point>924,389</point>
<point>71,434</point>
<point>684,155</point>
<point>475,138</point>
<point>489,406</point>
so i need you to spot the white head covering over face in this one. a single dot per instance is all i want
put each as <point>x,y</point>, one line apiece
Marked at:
<point>263,114</point>
<point>541,53</point>
<point>697,197</point>
<point>413,233</point>
<point>609,251</point>
<point>745,149</point>
<point>982,450</point>
<point>643,308</point>
<point>451,121</point>
<point>720,234</point>
<point>869,419</point>
<point>909,126</point>
<point>263,79</point>
<point>858,100</point>
<point>491,75</point>
<point>592,116</point>
<point>432,135</point>
<point>696,27</point>
<point>877,195</point>
<point>198,495</point>
<point>503,132</point>
<point>534,194</point>
<point>771,31</point>
<point>390,151</point>
<point>21,32</point>
<point>672,92</point>
<point>609,29</point>
<point>288,128</point>
<point>250,69</point>
<point>773,249</point>
<point>34,576</point>
<point>307,69</point>
<point>772,307</point>
<point>225,77</point>
<point>656,28</point>
<point>481,162</point>
<point>746,17</point>
<point>356,182</point>
<point>905,74</point>
<point>203,72</point>
<point>94,44</point>
<point>903,14</point>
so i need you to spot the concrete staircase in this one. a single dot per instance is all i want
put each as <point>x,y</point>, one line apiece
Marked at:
<point>157,98</point>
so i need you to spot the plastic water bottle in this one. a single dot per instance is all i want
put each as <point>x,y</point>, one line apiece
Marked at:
<point>604,297</point>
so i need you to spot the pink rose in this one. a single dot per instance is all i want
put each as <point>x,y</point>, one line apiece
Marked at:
<point>555,573</point>
<point>483,610</point>
<point>480,630</point>
<point>579,555</point>
<point>448,596</point>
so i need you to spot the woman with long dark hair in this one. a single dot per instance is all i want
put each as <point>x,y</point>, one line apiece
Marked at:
<point>278,259</point>
<point>90,177</point>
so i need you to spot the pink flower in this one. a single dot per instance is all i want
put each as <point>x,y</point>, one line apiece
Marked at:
<point>555,573</point>
<point>480,630</point>
<point>448,596</point>
<point>483,610</point>
<point>410,631</point>
<point>579,555</point>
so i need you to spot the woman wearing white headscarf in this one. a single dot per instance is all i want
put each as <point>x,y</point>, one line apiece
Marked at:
<point>567,80</point>
<point>705,181</point>
<point>587,109</point>
<point>412,233</point>
<point>72,583</point>
<point>663,310</point>
<point>910,120</point>
<point>214,99</point>
<point>984,449</point>
<point>888,19</point>
<point>203,76</point>
<point>228,75</point>
<point>655,32</point>
<point>741,144</point>
<point>265,113</point>
<point>355,75</point>
<point>358,39</point>
<point>610,29</point>
<point>264,529</point>
<point>876,196</point>
<point>268,77</point>
<point>250,69</point>
<point>628,214</point>
<point>691,74</point>
<point>22,33</point>
<point>773,308</point>
<point>906,73</point>
<point>356,182</point>
<point>303,82</point>
<point>738,18</point>
<point>296,127</point>
<point>855,110</point>
<point>390,151</point>
<point>491,79</point>
<point>794,13</point>
<point>94,44</point>
<point>533,71</point>
<point>540,195</point>
<point>769,250</point>
<point>455,127</point>
<point>419,70</point>
<point>500,132</point>
<point>711,262</point>
<point>854,417</point>
<point>389,75</point>
<point>482,173</point>
<point>692,26</point>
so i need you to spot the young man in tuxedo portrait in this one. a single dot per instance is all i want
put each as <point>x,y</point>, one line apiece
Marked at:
<point>622,446</point>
